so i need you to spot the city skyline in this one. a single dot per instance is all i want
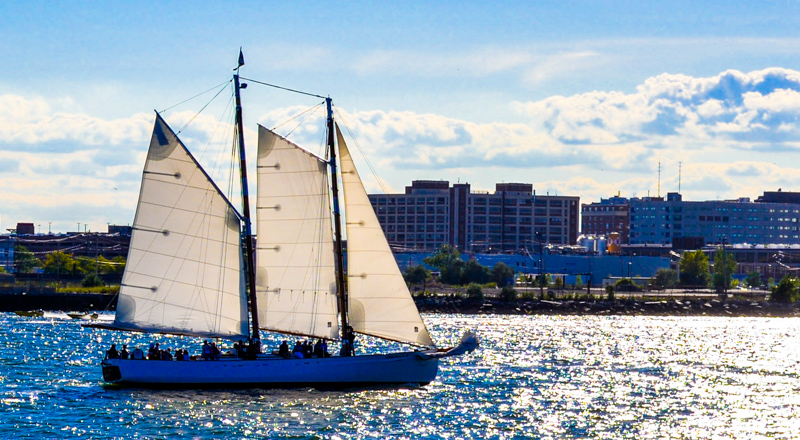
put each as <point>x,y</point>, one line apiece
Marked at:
<point>581,99</point>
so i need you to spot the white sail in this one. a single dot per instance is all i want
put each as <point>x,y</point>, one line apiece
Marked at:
<point>184,268</point>
<point>379,301</point>
<point>295,277</point>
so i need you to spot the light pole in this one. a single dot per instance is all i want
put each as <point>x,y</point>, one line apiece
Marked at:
<point>724,270</point>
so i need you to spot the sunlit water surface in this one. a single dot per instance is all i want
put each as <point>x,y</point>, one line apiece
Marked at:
<point>533,377</point>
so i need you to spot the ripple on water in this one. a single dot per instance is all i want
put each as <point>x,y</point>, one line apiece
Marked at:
<point>533,377</point>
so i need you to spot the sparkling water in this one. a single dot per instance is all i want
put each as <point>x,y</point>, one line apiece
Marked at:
<point>543,377</point>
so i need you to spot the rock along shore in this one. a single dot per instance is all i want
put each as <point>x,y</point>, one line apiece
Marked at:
<point>604,307</point>
<point>53,301</point>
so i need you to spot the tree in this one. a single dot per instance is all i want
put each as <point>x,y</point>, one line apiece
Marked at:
<point>474,292</point>
<point>24,260</point>
<point>626,285</point>
<point>753,279</point>
<point>724,267</point>
<point>666,278</point>
<point>118,265</point>
<point>417,274</point>
<point>508,294</point>
<point>447,260</point>
<point>59,263</point>
<point>694,269</point>
<point>786,291</point>
<point>475,272</point>
<point>92,280</point>
<point>501,273</point>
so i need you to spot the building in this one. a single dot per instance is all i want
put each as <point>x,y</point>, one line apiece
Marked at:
<point>657,221</point>
<point>89,245</point>
<point>513,218</point>
<point>609,216</point>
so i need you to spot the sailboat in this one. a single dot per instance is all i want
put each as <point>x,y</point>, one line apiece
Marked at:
<point>193,270</point>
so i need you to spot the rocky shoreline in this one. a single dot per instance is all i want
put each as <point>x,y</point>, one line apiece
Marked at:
<point>631,307</point>
<point>51,301</point>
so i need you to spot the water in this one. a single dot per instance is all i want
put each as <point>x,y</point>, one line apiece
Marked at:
<point>534,377</point>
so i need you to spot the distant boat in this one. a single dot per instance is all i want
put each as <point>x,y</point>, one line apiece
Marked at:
<point>34,313</point>
<point>192,270</point>
<point>82,315</point>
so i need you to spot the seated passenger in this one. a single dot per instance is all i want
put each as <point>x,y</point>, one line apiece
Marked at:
<point>283,351</point>
<point>138,354</point>
<point>297,351</point>
<point>123,354</point>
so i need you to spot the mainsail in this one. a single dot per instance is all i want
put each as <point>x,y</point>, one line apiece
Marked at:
<point>184,268</point>
<point>379,301</point>
<point>295,278</point>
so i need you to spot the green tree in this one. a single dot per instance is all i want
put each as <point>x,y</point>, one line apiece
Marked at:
<point>578,282</point>
<point>626,285</point>
<point>694,269</point>
<point>104,265</point>
<point>92,280</point>
<point>475,292</point>
<point>24,260</point>
<point>724,267</point>
<point>501,273</point>
<point>447,260</point>
<point>475,272</point>
<point>666,278</point>
<point>417,274</point>
<point>508,294</point>
<point>786,291</point>
<point>753,279</point>
<point>118,265</point>
<point>59,263</point>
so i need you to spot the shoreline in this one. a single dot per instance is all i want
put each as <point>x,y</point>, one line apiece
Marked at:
<point>66,302</point>
<point>626,307</point>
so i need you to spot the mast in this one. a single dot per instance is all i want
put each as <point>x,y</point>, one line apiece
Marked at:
<point>341,291</point>
<point>248,232</point>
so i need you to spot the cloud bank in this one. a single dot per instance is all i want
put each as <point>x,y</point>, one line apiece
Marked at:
<point>731,135</point>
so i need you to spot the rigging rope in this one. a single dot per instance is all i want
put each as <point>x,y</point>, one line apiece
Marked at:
<point>201,110</point>
<point>361,150</point>
<point>313,111</point>
<point>283,88</point>
<point>195,96</point>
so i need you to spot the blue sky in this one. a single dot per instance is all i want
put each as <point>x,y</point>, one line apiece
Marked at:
<point>578,98</point>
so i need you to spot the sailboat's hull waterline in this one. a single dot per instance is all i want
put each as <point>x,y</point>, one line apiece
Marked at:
<point>408,368</point>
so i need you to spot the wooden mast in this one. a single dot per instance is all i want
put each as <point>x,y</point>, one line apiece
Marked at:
<point>248,231</point>
<point>341,288</point>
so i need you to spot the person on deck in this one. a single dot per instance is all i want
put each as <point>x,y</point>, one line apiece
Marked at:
<point>297,351</point>
<point>123,354</point>
<point>138,354</point>
<point>318,349</point>
<point>215,353</point>
<point>112,352</point>
<point>283,350</point>
<point>324,345</point>
<point>206,351</point>
<point>240,351</point>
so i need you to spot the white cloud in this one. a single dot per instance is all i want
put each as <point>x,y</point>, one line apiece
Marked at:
<point>732,133</point>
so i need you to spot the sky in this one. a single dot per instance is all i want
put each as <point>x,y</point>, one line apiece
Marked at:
<point>584,98</point>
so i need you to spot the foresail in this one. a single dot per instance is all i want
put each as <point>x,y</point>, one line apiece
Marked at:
<point>295,278</point>
<point>184,268</point>
<point>379,301</point>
